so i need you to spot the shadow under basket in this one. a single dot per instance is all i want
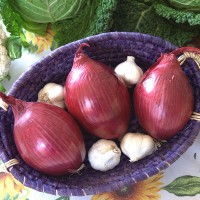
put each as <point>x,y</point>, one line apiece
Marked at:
<point>111,49</point>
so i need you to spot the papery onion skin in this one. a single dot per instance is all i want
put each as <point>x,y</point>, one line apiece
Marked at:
<point>47,137</point>
<point>97,98</point>
<point>163,98</point>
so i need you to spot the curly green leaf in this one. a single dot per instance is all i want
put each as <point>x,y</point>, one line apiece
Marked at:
<point>187,5</point>
<point>176,15</point>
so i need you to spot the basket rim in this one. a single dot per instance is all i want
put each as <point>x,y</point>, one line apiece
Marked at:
<point>87,190</point>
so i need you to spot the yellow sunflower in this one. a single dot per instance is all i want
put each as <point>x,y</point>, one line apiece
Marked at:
<point>42,42</point>
<point>9,185</point>
<point>144,190</point>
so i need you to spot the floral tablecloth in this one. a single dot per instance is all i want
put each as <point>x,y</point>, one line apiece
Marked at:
<point>181,181</point>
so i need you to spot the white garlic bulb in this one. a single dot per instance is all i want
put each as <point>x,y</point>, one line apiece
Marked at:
<point>52,93</point>
<point>129,71</point>
<point>104,155</point>
<point>137,146</point>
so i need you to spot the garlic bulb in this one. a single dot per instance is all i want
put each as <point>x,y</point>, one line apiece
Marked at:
<point>137,146</point>
<point>129,71</point>
<point>52,93</point>
<point>104,155</point>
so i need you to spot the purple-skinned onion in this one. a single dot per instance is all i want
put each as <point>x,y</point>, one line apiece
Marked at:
<point>46,137</point>
<point>163,98</point>
<point>96,97</point>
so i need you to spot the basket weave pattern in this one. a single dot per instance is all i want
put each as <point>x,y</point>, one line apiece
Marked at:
<point>110,48</point>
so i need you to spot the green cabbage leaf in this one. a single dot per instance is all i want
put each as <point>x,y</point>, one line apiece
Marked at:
<point>47,11</point>
<point>70,20</point>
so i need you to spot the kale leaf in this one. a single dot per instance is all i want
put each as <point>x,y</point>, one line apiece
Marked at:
<point>94,18</point>
<point>141,16</point>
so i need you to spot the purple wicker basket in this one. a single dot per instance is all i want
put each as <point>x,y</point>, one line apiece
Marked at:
<point>110,48</point>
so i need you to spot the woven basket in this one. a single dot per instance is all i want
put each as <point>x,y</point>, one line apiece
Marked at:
<point>110,48</point>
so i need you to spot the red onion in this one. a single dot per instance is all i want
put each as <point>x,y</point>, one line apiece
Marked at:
<point>163,98</point>
<point>47,137</point>
<point>96,97</point>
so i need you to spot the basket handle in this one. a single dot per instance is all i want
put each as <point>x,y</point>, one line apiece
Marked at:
<point>193,55</point>
<point>196,59</point>
<point>195,116</point>
<point>4,166</point>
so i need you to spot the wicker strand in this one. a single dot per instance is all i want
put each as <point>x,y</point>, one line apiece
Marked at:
<point>195,116</point>
<point>4,166</point>
<point>194,56</point>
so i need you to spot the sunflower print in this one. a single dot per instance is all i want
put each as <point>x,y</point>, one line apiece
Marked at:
<point>144,190</point>
<point>41,42</point>
<point>9,186</point>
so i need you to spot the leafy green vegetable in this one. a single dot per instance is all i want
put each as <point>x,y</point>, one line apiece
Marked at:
<point>11,20</point>
<point>15,26</point>
<point>47,11</point>
<point>187,5</point>
<point>94,18</point>
<point>141,16</point>
<point>177,21</point>
<point>176,15</point>
<point>15,23</point>
<point>70,19</point>
<point>14,47</point>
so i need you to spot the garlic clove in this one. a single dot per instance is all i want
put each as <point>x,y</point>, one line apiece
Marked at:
<point>56,93</point>
<point>137,146</point>
<point>104,155</point>
<point>60,104</point>
<point>52,93</point>
<point>129,71</point>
